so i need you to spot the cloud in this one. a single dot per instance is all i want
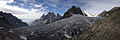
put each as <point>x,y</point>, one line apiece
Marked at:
<point>2,2</point>
<point>38,5</point>
<point>13,9</point>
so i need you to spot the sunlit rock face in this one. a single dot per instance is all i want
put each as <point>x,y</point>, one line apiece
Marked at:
<point>73,10</point>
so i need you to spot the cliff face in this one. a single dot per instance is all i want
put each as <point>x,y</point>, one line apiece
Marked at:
<point>106,29</point>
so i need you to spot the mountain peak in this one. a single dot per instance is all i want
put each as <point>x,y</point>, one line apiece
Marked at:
<point>45,19</point>
<point>50,14</point>
<point>73,10</point>
<point>74,6</point>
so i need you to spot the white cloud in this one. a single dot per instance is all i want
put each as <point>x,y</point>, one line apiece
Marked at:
<point>13,9</point>
<point>36,5</point>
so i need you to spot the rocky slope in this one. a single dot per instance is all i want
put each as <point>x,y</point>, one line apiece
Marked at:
<point>45,19</point>
<point>105,29</point>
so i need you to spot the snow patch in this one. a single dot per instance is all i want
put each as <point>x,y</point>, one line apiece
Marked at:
<point>23,37</point>
<point>11,30</point>
<point>67,36</point>
<point>107,14</point>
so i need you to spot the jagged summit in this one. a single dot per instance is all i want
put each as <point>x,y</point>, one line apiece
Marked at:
<point>45,19</point>
<point>73,10</point>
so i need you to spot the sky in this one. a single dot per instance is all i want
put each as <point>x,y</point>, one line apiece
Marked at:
<point>29,10</point>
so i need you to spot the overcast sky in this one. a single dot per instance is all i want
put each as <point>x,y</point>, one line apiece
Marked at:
<point>29,10</point>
